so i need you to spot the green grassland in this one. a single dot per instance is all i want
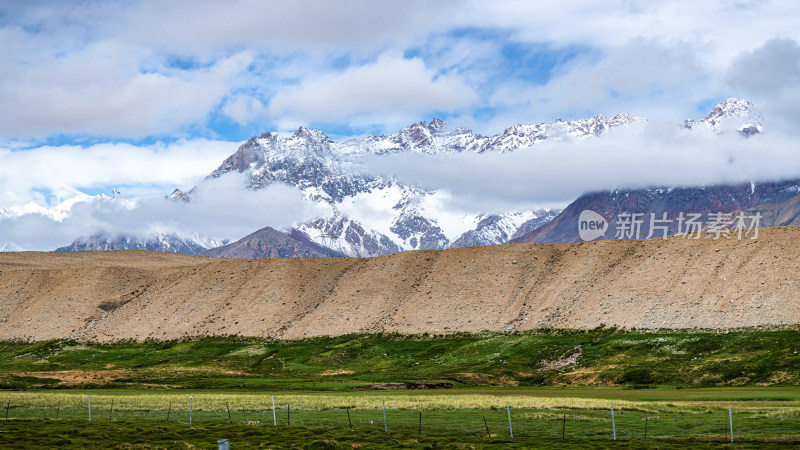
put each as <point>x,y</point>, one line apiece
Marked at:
<point>600,357</point>
<point>559,386</point>
<point>153,435</point>
<point>574,417</point>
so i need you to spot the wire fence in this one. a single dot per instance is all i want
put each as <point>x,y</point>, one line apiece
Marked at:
<point>712,424</point>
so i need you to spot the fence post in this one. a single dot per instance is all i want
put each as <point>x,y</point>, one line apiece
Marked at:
<point>645,427</point>
<point>385,425</point>
<point>488,434</point>
<point>348,419</point>
<point>288,421</point>
<point>419,431</point>
<point>90,407</point>
<point>510,429</point>
<point>564,427</point>
<point>613,423</point>
<point>111,411</point>
<point>191,399</point>
<point>730,421</point>
<point>274,417</point>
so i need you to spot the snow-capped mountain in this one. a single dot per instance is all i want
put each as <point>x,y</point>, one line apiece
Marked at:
<point>373,214</point>
<point>731,114</point>
<point>158,242</point>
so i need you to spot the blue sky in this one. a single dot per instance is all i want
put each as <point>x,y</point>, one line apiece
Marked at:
<point>174,86</point>
<point>145,71</point>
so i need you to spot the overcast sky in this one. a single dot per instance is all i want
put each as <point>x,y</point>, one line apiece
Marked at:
<point>152,95</point>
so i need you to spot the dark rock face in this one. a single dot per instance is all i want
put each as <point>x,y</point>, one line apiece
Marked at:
<point>673,202</point>
<point>270,243</point>
<point>179,195</point>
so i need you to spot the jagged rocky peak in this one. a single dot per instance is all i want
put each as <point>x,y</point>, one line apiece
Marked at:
<point>437,125</point>
<point>625,119</point>
<point>179,195</point>
<point>265,139</point>
<point>312,135</point>
<point>729,107</point>
<point>520,129</point>
<point>527,135</point>
<point>159,242</point>
<point>434,126</point>
<point>418,134</point>
<point>731,114</point>
<point>596,125</point>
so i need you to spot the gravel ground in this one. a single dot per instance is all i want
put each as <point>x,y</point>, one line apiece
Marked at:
<point>672,283</point>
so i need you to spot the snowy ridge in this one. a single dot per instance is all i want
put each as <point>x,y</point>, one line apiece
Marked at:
<point>160,242</point>
<point>438,137</point>
<point>373,214</point>
<point>731,114</point>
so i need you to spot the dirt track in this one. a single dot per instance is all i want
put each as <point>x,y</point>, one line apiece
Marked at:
<point>644,284</point>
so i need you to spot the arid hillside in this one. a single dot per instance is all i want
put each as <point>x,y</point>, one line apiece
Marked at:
<point>673,283</point>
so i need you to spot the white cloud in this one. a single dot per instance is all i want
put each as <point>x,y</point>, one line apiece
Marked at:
<point>770,75</point>
<point>555,173</point>
<point>244,108</point>
<point>223,210</point>
<point>101,90</point>
<point>392,86</point>
<point>647,78</point>
<point>63,170</point>
<point>728,26</point>
<point>135,69</point>
<point>204,26</point>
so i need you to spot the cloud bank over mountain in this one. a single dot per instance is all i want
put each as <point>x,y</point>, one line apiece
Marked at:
<point>555,173</point>
<point>223,210</point>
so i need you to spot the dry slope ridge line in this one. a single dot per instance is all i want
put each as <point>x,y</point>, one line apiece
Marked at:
<point>674,283</point>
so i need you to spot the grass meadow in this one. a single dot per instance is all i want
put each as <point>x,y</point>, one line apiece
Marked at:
<point>668,390</point>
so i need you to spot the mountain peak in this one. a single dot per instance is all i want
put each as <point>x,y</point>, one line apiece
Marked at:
<point>271,243</point>
<point>178,194</point>
<point>311,138</point>
<point>624,119</point>
<point>728,107</point>
<point>733,113</point>
<point>436,125</point>
<point>310,133</point>
<point>734,102</point>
